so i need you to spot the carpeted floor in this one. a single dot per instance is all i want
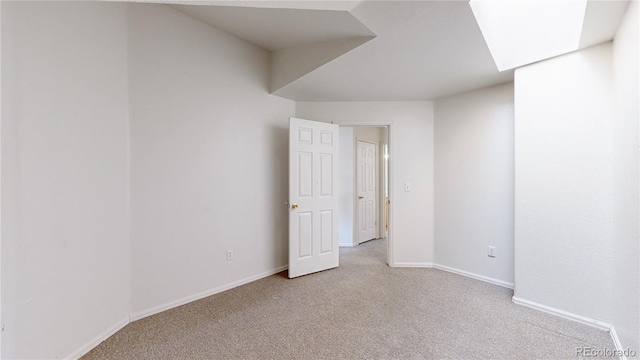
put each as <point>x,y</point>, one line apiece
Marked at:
<point>362,310</point>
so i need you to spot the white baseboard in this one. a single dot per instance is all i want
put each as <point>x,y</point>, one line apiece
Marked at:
<point>475,276</point>
<point>455,271</point>
<point>413,264</point>
<point>348,245</point>
<point>616,342</point>
<point>563,314</point>
<point>158,309</point>
<point>142,314</point>
<point>98,339</point>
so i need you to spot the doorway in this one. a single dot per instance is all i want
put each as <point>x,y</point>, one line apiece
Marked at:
<point>364,210</point>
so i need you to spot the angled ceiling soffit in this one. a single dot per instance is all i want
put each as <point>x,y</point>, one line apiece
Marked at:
<point>301,36</point>
<point>288,65</point>
<point>337,5</point>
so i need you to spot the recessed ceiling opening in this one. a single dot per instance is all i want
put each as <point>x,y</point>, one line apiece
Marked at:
<point>522,32</point>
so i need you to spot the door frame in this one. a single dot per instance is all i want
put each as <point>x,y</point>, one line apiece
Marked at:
<point>382,228</point>
<point>391,143</point>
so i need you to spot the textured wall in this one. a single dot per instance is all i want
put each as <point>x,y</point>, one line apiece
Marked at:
<point>209,160</point>
<point>626,181</point>
<point>563,183</point>
<point>474,181</point>
<point>65,215</point>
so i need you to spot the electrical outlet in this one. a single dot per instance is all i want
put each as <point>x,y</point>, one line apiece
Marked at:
<point>491,251</point>
<point>229,255</point>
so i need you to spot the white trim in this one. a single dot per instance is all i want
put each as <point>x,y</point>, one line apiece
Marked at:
<point>563,314</point>
<point>363,123</point>
<point>142,314</point>
<point>617,343</point>
<point>391,255</point>
<point>381,187</point>
<point>98,339</point>
<point>454,271</point>
<point>170,305</point>
<point>475,276</point>
<point>413,264</point>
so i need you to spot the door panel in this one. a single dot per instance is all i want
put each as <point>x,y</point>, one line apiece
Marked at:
<point>366,180</point>
<point>305,174</point>
<point>313,199</point>
<point>326,231</point>
<point>305,234</point>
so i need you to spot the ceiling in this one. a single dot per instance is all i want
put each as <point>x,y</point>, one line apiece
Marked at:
<point>278,29</point>
<point>375,50</point>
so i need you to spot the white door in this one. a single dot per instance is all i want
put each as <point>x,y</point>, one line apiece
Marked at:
<point>313,197</point>
<point>366,190</point>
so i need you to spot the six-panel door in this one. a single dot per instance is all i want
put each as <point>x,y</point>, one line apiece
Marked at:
<point>313,197</point>
<point>366,190</point>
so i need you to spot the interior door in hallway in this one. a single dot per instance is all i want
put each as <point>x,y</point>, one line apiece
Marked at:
<point>313,197</point>
<point>366,190</point>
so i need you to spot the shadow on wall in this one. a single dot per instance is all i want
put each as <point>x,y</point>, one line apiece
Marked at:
<point>279,214</point>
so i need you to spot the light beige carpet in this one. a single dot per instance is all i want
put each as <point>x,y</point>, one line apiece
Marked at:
<point>362,310</point>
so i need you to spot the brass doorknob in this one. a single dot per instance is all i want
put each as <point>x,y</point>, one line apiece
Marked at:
<point>360,197</point>
<point>294,206</point>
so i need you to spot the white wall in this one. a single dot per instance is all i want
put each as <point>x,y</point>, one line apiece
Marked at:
<point>1,322</point>
<point>209,160</point>
<point>626,181</point>
<point>346,211</point>
<point>474,181</point>
<point>563,183</point>
<point>372,134</point>
<point>65,264</point>
<point>412,162</point>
